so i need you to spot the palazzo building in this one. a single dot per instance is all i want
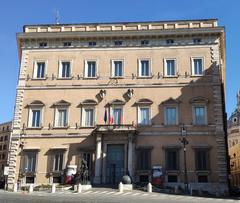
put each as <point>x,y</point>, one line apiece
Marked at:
<point>5,132</point>
<point>120,95</point>
<point>234,144</point>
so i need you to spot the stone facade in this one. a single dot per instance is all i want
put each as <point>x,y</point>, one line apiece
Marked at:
<point>234,143</point>
<point>5,132</point>
<point>120,95</point>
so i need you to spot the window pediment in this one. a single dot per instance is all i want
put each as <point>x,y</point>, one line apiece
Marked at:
<point>199,100</point>
<point>171,101</point>
<point>35,103</point>
<point>61,103</point>
<point>116,102</point>
<point>88,102</point>
<point>144,102</point>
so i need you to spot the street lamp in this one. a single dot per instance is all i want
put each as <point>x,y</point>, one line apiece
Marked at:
<point>184,141</point>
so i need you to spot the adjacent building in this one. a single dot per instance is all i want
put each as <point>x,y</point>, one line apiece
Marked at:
<point>120,95</point>
<point>234,144</point>
<point>5,132</point>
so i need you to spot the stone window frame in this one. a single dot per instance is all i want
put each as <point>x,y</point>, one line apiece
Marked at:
<point>112,70</point>
<point>139,75</point>
<point>165,68</point>
<point>60,69</point>
<point>85,71</point>
<point>35,67</point>
<point>192,58</point>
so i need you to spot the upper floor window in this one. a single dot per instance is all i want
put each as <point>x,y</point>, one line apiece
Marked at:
<point>39,70</point>
<point>35,117</point>
<point>200,117</point>
<point>169,41</point>
<point>6,138</point>
<point>65,69</point>
<point>197,66</point>
<point>197,40</point>
<point>144,68</point>
<point>88,118</point>
<point>170,67</point>
<point>145,42</point>
<point>117,68</point>
<point>90,69</point>
<point>118,43</point>
<point>171,115</point>
<point>61,117</point>
<point>144,115</point>
<point>92,43</point>
<point>67,44</point>
<point>117,114</point>
<point>43,44</point>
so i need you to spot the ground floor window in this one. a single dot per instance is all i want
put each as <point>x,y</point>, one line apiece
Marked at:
<point>144,159</point>
<point>30,179</point>
<point>172,178</point>
<point>202,178</point>
<point>30,161</point>
<point>144,178</point>
<point>58,162</point>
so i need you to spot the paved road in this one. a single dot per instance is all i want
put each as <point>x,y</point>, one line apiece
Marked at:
<point>100,195</point>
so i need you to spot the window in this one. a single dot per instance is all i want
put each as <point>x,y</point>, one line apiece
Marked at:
<point>202,178</point>
<point>172,159</point>
<point>90,69</point>
<point>3,156</point>
<point>118,43</point>
<point>6,138</point>
<point>92,44</point>
<point>4,147</point>
<point>172,178</point>
<point>144,42</point>
<point>35,118</point>
<point>197,66</point>
<point>65,69</point>
<point>67,44</point>
<point>61,117</point>
<point>202,159</point>
<point>170,115</point>
<point>30,162</point>
<point>170,67</point>
<point>88,158</point>
<point>144,116</point>
<point>88,117</point>
<point>170,41</point>
<point>58,162</point>
<point>197,40</point>
<point>144,159</point>
<point>43,44</point>
<point>39,70</point>
<point>200,115</point>
<point>144,68</point>
<point>117,68</point>
<point>117,115</point>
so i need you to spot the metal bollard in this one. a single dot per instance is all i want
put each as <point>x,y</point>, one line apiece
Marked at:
<point>53,188</point>
<point>79,189</point>
<point>120,187</point>
<point>30,189</point>
<point>149,187</point>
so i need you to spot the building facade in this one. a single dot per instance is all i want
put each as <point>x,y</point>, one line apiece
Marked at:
<point>5,132</point>
<point>120,95</point>
<point>234,144</point>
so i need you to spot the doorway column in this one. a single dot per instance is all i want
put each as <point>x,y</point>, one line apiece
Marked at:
<point>98,167</point>
<point>130,154</point>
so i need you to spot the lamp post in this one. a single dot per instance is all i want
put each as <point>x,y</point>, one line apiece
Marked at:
<point>184,141</point>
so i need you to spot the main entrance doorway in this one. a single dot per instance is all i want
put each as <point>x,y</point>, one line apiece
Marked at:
<point>115,163</point>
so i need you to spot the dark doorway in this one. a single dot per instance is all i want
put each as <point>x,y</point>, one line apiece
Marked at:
<point>115,163</point>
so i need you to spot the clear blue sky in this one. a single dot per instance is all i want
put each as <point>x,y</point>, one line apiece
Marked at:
<point>16,13</point>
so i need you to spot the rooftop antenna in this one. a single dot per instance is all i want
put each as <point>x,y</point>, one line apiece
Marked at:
<point>57,16</point>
